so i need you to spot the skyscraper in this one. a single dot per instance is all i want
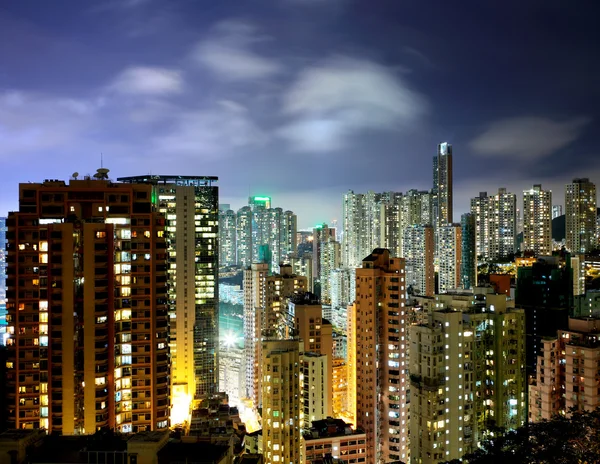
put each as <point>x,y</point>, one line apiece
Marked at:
<point>227,238</point>
<point>266,315</point>
<point>418,251</point>
<point>282,419</point>
<point>330,260</point>
<point>466,373</point>
<point>87,308</point>
<point>316,334</point>
<point>450,257</point>
<point>581,212</point>
<point>502,223</point>
<point>442,185</point>
<point>379,340</point>
<point>469,254</point>
<point>2,279</point>
<point>495,225</point>
<point>191,207</point>
<point>480,212</point>
<point>362,225</point>
<point>537,220</point>
<point>244,236</point>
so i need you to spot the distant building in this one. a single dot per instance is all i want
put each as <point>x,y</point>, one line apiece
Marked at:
<point>418,251</point>
<point>557,210</point>
<point>266,315</point>
<point>468,263</point>
<point>442,185</point>
<point>315,375</point>
<point>450,255</point>
<point>227,238</point>
<point>537,221</point>
<point>580,217</point>
<point>2,280</point>
<point>495,225</point>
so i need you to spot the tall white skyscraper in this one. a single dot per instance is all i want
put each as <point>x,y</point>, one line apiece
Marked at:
<point>537,220</point>
<point>227,238</point>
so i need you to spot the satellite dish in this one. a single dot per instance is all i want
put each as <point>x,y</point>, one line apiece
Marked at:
<point>102,173</point>
<point>75,175</point>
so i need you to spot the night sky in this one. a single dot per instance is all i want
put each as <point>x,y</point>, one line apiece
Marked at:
<point>301,100</point>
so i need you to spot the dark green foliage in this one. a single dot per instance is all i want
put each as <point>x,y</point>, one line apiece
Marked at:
<point>562,440</point>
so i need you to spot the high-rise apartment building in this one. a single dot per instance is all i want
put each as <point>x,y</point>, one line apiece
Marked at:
<point>190,205</point>
<point>580,216</point>
<point>2,279</point>
<point>391,222</point>
<point>266,315</point>
<point>442,185</point>
<point>495,225</point>
<point>361,226</point>
<point>315,374</point>
<point>243,236</point>
<point>537,221</point>
<point>450,256</point>
<point>480,212</point>
<point>227,238</point>
<point>87,308</point>
<point>379,343</point>
<point>557,210</point>
<point>330,260</point>
<point>502,225</point>
<point>418,251</point>
<point>343,287</point>
<point>282,418</point>
<point>316,334</point>
<point>468,273</point>
<point>322,234</point>
<point>467,375</point>
<point>567,371</point>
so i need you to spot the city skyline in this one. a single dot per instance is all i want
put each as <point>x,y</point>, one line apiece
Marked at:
<point>141,81</point>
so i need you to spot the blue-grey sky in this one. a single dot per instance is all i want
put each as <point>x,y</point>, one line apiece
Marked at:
<point>301,100</point>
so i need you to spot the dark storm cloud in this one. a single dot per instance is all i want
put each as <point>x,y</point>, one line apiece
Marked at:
<point>300,99</point>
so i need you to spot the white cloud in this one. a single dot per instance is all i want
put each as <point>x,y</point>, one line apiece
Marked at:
<point>527,137</point>
<point>330,102</point>
<point>214,132</point>
<point>142,80</point>
<point>228,53</point>
<point>32,123</point>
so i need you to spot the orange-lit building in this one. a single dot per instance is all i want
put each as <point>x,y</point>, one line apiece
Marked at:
<point>334,438</point>
<point>381,363</point>
<point>87,308</point>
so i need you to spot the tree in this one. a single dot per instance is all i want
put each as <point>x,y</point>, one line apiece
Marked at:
<point>574,439</point>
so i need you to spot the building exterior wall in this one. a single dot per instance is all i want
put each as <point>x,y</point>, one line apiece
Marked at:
<point>87,266</point>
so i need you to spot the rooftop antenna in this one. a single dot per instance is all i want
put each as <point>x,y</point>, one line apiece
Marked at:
<point>101,160</point>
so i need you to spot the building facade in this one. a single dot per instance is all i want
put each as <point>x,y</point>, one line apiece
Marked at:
<point>442,185</point>
<point>450,256</point>
<point>87,308</point>
<point>467,375</point>
<point>418,249</point>
<point>580,216</point>
<point>537,221</point>
<point>282,417</point>
<point>468,272</point>
<point>190,205</point>
<point>567,371</point>
<point>379,360</point>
